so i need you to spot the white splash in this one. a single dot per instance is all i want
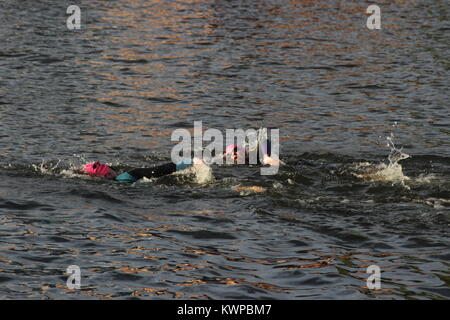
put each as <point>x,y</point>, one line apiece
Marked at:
<point>203,172</point>
<point>46,167</point>
<point>390,172</point>
<point>199,173</point>
<point>43,169</point>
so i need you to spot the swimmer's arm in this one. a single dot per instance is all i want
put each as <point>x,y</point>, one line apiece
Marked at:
<point>126,177</point>
<point>153,172</point>
<point>264,149</point>
<point>271,161</point>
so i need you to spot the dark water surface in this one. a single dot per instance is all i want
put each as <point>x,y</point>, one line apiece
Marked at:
<point>137,70</point>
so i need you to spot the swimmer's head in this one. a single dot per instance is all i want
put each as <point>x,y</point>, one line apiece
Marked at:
<point>234,152</point>
<point>97,169</point>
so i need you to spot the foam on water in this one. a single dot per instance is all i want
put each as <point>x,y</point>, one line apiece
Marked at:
<point>248,190</point>
<point>426,178</point>
<point>381,172</point>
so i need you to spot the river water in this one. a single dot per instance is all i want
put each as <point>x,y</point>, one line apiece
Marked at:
<point>364,132</point>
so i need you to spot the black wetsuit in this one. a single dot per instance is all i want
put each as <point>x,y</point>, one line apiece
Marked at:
<point>153,172</point>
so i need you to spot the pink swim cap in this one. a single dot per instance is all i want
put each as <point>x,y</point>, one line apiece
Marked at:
<point>98,169</point>
<point>232,148</point>
<point>236,153</point>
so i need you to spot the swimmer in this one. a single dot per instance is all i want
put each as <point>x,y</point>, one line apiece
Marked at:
<point>236,152</point>
<point>97,169</point>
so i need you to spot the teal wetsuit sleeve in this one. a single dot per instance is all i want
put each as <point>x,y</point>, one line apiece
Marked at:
<point>125,177</point>
<point>183,164</point>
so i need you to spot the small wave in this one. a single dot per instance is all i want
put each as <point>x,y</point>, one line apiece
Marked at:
<point>129,60</point>
<point>436,203</point>
<point>163,99</point>
<point>20,205</point>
